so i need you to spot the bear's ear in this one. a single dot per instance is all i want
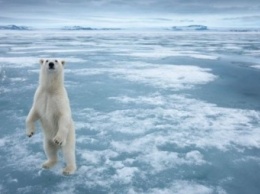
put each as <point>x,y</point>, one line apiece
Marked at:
<point>41,61</point>
<point>62,62</point>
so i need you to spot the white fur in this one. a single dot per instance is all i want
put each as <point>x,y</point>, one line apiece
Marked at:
<point>51,106</point>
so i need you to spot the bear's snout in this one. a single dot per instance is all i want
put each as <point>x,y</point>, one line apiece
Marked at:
<point>51,65</point>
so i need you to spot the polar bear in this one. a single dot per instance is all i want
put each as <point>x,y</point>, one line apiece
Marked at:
<point>51,106</point>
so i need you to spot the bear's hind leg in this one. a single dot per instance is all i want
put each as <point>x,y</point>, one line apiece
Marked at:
<point>69,156</point>
<point>51,151</point>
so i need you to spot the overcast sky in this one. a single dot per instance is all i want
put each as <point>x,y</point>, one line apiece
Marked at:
<point>131,13</point>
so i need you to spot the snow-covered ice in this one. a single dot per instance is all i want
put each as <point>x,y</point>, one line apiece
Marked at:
<point>155,112</point>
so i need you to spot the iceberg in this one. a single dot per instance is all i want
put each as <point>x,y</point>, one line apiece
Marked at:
<point>14,27</point>
<point>189,28</point>
<point>86,28</point>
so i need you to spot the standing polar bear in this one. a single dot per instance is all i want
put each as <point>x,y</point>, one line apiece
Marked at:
<point>51,106</point>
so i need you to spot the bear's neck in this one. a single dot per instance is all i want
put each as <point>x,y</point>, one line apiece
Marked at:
<point>52,83</point>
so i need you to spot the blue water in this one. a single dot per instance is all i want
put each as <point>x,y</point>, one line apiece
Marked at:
<point>155,112</point>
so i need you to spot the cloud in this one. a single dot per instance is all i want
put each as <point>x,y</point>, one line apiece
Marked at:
<point>147,13</point>
<point>254,17</point>
<point>243,21</point>
<point>65,8</point>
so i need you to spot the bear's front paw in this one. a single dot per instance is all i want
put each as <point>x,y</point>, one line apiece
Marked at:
<point>58,140</point>
<point>29,133</point>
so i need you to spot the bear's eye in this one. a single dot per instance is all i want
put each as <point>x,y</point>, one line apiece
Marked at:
<point>47,61</point>
<point>56,61</point>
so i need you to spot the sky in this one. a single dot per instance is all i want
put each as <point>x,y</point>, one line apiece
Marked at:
<point>130,13</point>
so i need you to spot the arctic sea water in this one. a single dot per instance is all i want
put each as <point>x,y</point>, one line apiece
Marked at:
<point>155,112</point>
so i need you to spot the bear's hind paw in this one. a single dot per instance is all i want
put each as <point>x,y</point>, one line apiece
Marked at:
<point>48,164</point>
<point>68,170</point>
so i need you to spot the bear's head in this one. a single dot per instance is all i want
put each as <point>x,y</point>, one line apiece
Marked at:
<point>52,65</point>
<point>51,72</point>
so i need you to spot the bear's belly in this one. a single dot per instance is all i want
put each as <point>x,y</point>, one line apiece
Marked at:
<point>50,126</point>
<point>49,117</point>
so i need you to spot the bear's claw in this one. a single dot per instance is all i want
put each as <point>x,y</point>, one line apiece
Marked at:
<point>31,134</point>
<point>49,163</point>
<point>69,170</point>
<point>57,141</point>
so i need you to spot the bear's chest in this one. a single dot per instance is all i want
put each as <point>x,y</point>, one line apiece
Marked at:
<point>48,107</point>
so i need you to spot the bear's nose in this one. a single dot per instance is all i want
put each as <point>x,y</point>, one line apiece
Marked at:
<point>51,65</point>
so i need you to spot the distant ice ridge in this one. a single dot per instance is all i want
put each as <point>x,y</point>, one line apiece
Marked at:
<point>86,28</point>
<point>14,27</point>
<point>190,28</point>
